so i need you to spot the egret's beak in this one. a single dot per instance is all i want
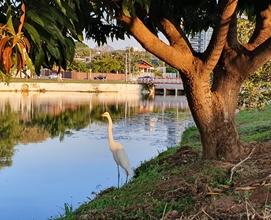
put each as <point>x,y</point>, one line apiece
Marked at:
<point>103,115</point>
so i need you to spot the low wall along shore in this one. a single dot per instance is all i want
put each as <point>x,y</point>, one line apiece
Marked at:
<point>69,87</point>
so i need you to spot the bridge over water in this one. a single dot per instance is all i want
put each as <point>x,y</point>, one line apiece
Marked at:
<point>169,86</point>
<point>165,86</point>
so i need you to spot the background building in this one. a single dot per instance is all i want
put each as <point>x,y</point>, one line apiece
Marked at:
<point>200,40</point>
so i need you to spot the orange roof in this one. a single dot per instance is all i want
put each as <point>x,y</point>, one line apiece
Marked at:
<point>144,64</point>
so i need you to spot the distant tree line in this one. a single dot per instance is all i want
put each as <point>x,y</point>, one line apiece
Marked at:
<point>111,62</point>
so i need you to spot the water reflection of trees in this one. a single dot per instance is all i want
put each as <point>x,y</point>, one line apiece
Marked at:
<point>14,129</point>
<point>57,125</point>
<point>9,135</point>
<point>33,123</point>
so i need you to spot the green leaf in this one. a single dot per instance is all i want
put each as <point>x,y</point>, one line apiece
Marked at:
<point>14,60</point>
<point>55,33</point>
<point>35,17</point>
<point>33,33</point>
<point>39,59</point>
<point>70,48</point>
<point>80,37</point>
<point>29,63</point>
<point>125,7</point>
<point>55,18</point>
<point>70,11</point>
<point>10,25</point>
<point>54,51</point>
<point>63,10</point>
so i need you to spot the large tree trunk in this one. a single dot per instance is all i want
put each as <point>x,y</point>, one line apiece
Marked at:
<point>214,113</point>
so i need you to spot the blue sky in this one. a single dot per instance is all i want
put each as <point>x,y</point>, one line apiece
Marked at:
<point>117,44</point>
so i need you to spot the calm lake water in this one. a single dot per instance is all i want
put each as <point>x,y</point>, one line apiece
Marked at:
<point>54,150</point>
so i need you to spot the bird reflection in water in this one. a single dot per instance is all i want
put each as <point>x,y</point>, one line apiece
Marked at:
<point>117,150</point>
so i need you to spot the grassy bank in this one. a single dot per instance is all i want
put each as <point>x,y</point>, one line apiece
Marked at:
<point>178,183</point>
<point>252,125</point>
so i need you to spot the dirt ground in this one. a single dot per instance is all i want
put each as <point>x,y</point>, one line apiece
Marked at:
<point>196,189</point>
<point>247,196</point>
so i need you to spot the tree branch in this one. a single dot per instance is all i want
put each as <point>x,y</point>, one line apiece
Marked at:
<point>238,164</point>
<point>260,55</point>
<point>262,30</point>
<point>232,39</point>
<point>170,28</point>
<point>181,60</point>
<point>219,37</point>
<point>175,36</point>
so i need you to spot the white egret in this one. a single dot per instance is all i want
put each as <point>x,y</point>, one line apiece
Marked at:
<point>117,150</point>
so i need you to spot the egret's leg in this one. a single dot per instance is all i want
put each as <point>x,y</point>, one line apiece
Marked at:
<point>118,176</point>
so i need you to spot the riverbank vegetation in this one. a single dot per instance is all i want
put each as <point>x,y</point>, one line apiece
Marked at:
<point>179,184</point>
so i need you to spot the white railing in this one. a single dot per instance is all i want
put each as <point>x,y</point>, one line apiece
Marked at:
<point>146,80</point>
<point>167,81</point>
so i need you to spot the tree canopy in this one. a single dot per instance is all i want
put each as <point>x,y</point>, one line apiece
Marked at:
<point>212,79</point>
<point>107,63</point>
<point>82,50</point>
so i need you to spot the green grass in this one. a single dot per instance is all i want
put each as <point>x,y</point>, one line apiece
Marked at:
<point>255,125</point>
<point>152,190</point>
<point>252,125</point>
<point>129,196</point>
<point>191,137</point>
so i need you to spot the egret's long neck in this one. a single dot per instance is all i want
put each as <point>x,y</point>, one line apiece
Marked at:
<point>110,132</point>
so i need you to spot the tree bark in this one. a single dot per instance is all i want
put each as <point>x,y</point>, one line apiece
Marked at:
<point>214,113</point>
